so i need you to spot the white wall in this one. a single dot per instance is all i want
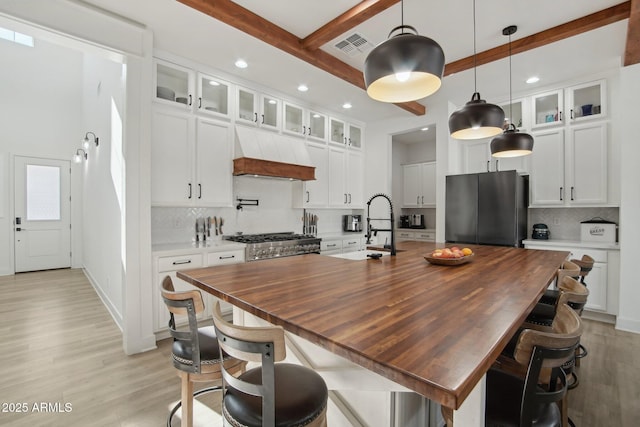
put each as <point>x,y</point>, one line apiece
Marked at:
<point>629,314</point>
<point>103,173</point>
<point>40,110</point>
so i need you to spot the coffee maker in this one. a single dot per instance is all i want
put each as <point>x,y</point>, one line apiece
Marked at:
<point>352,223</point>
<point>404,221</point>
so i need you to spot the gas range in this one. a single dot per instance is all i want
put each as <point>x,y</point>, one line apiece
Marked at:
<point>274,245</point>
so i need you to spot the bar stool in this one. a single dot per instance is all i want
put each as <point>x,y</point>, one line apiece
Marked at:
<point>271,394</point>
<point>530,396</point>
<point>550,296</point>
<point>586,265</point>
<point>195,350</point>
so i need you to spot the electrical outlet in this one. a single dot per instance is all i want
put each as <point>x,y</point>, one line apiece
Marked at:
<point>556,221</point>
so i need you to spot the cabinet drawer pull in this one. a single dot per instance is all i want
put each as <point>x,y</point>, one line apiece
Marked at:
<point>572,193</point>
<point>332,246</point>
<point>226,256</point>
<point>188,261</point>
<point>199,191</point>
<point>190,100</point>
<point>561,193</point>
<point>189,190</point>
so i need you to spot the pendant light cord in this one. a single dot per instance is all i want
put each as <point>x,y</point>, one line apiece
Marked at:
<point>402,15</point>
<point>510,100</point>
<point>475,78</point>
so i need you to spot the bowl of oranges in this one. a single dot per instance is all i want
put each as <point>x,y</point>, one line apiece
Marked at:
<point>450,256</point>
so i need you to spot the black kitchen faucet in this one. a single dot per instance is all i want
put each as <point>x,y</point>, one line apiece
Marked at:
<point>373,231</point>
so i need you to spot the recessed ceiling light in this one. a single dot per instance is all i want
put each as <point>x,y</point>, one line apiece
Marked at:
<point>346,105</point>
<point>533,79</point>
<point>425,128</point>
<point>241,63</point>
<point>303,88</point>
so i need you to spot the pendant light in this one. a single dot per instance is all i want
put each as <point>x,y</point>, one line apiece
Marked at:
<point>405,67</point>
<point>512,143</point>
<point>477,119</point>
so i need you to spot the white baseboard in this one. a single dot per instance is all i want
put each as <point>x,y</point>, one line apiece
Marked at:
<point>629,325</point>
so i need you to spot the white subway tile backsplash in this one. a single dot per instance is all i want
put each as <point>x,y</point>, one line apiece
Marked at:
<point>564,223</point>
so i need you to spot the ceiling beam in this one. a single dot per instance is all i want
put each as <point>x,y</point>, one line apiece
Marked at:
<point>563,31</point>
<point>248,22</point>
<point>632,49</point>
<point>343,23</point>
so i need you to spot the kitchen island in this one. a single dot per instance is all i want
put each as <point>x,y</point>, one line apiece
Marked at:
<point>433,329</point>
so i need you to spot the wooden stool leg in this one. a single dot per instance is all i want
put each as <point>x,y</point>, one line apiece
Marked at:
<point>564,410</point>
<point>187,400</point>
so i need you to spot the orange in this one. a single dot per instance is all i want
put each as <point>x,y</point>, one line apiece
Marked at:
<point>466,251</point>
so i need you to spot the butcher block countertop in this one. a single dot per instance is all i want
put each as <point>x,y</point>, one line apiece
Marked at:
<point>433,329</point>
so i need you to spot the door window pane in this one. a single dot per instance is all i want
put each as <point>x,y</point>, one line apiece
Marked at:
<point>43,193</point>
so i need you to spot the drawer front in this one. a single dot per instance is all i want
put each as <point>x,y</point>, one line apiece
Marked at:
<point>427,235</point>
<point>598,255</point>
<point>350,245</point>
<point>407,235</point>
<point>183,262</point>
<point>330,245</point>
<point>222,258</point>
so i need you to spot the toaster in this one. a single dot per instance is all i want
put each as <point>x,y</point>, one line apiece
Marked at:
<point>540,231</point>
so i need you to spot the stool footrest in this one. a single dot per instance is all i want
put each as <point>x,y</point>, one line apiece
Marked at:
<point>195,394</point>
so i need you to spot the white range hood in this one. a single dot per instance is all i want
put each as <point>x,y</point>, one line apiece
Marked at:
<point>264,153</point>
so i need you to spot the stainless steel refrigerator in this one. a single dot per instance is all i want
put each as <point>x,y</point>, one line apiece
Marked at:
<point>487,208</point>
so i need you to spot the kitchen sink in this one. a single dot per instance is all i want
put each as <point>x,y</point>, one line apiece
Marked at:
<point>360,255</point>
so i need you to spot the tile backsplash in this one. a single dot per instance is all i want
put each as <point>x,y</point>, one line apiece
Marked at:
<point>564,223</point>
<point>273,214</point>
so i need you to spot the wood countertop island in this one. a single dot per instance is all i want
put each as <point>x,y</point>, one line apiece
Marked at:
<point>433,329</point>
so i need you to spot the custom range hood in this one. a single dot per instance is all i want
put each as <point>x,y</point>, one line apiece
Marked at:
<point>268,154</point>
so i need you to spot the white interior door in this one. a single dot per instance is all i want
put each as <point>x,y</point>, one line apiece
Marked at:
<point>42,214</point>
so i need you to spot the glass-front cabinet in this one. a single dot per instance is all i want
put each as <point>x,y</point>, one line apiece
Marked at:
<point>174,84</point>
<point>257,109</point>
<point>515,112</point>
<point>355,136</point>
<point>213,95</point>
<point>587,101</point>
<point>306,123</point>
<point>547,109</point>
<point>337,131</point>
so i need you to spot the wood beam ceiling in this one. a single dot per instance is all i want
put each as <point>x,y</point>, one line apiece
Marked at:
<point>308,49</point>
<point>258,27</point>
<point>563,31</point>
<point>632,49</point>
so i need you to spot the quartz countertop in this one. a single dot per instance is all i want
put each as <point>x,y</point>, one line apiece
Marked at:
<point>573,244</point>
<point>182,248</point>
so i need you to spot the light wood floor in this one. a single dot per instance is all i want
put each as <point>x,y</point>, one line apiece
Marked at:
<point>60,346</point>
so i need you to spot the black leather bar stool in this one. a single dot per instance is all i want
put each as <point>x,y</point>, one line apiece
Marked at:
<point>273,394</point>
<point>195,351</point>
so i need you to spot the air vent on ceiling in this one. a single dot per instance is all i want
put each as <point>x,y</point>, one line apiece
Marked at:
<point>354,45</point>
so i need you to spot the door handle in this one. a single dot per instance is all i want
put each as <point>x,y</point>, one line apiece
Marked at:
<point>199,191</point>
<point>20,229</point>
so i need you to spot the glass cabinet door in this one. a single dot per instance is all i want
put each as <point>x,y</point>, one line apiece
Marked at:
<point>587,101</point>
<point>247,106</point>
<point>547,109</point>
<point>293,119</point>
<point>337,131</point>
<point>355,136</point>
<point>213,96</point>
<point>513,113</point>
<point>173,83</point>
<point>270,112</point>
<point>317,128</point>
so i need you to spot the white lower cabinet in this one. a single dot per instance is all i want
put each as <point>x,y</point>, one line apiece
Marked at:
<point>170,265</point>
<point>602,280</point>
<point>334,246</point>
<point>420,235</point>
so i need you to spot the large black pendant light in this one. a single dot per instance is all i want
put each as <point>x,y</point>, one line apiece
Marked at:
<point>405,67</point>
<point>512,143</point>
<point>477,119</point>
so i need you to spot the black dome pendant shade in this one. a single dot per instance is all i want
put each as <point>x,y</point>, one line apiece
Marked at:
<point>404,68</point>
<point>512,143</point>
<point>477,119</point>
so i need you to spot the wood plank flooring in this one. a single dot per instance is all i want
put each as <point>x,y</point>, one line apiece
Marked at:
<point>60,347</point>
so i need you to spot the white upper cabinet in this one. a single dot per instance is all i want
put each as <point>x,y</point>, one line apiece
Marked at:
<point>587,101</point>
<point>184,88</point>
<point>419,182</point>
<point>213,95</point>
<point>476,158</point>
<point>257,109</point>
<point>354,136</point>
<point>516,112</point>
<point>572,172</point>
<point>547,109</point>
<point>303,122</point>
<point>343,133</point>
<point>174,84</point>
<point>191,160</point>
